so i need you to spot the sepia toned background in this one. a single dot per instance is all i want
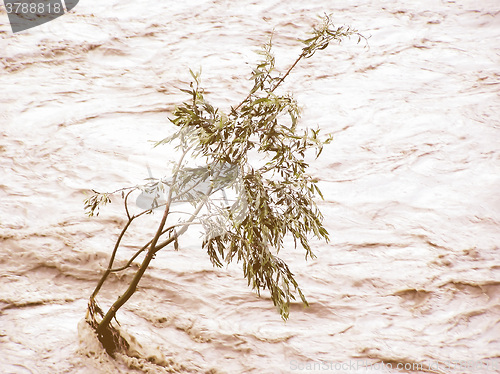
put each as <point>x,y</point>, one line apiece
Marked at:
<point>411,185</point>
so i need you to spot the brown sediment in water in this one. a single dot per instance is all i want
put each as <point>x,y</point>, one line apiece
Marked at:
<point>411,185</point>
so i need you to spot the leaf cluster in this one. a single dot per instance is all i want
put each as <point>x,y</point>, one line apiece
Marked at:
<point>260,139</point>
<point>92,203</point>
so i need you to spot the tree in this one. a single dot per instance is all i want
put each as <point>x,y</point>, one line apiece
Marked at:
<point>274,197</point>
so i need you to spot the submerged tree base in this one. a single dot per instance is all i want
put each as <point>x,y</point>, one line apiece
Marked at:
<point>109,336</point>
<point>123,348</point>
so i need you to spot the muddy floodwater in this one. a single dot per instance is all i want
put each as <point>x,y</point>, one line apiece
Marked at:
<point>410,280</point>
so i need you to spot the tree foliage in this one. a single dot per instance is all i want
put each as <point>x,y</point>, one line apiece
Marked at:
<point>256,150</point>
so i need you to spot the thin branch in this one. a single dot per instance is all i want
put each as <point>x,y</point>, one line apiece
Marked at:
<point>112,259</point>
<point>129,263</point>
<point>125,202</point>
<point>288,71</point>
